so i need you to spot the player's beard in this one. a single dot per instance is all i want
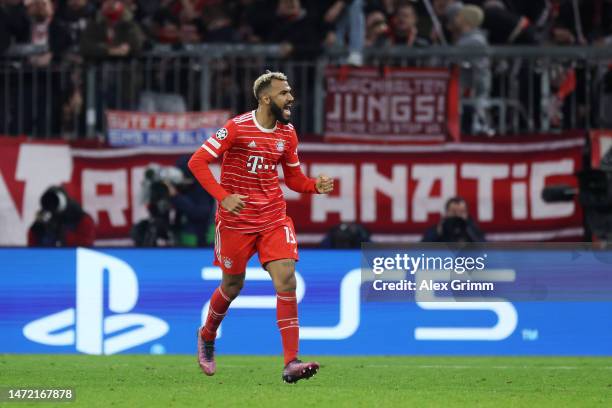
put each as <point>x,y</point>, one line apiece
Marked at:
<point>278,113</point>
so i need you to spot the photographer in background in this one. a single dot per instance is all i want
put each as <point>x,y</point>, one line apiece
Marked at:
<point>61,222</point>
<point>180,210</point>
<point>194,207</point>
<point>156,231</point>
<point>346,235</point>
<point>455,226</point>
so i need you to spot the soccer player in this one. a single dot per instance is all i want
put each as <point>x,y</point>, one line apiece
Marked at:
<point>251,216</point>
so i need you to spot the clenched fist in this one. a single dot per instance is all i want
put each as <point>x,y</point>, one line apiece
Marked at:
<point>324,184</point>
<point>233,203</point>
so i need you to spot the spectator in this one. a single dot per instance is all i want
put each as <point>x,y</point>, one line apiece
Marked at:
<point>16,20</point>
<point>387,7</point>
<point>72,120</point>
<point>219,27</point>
<point>113,34</point>
<point>440,9</point>
<point>144,12</point>
<point>192,32</point>
<point>187,10</point>
<point>455,225</point>
<point>112,37</point>
<point>295,31</point>
<point>463,22</point>
<point>583,24</point>
<point>61,222</point>
<point>75,14</point>
<point>133,7</point>
<point>345,20</point>
<point>42,29</point>
<point>377,30</point>
<point>505,27</point>
<point>535,11</point>
<point>180,71</point>
<point>33,84</point>
<point>165,28</point>
<point>148,8</point>
<point>405,30</point>
<point>253,18</point>
<point>580,23</point>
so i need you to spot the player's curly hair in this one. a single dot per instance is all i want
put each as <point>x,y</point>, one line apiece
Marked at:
<point>265,80</point>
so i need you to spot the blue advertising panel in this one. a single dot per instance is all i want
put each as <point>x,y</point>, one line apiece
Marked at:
<point>108,301</point>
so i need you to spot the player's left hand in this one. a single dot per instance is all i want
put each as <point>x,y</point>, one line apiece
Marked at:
<point>324,185</point>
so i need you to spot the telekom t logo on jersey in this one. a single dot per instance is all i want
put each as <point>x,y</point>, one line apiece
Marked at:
<point>86,325</point>
<point>255,163</point>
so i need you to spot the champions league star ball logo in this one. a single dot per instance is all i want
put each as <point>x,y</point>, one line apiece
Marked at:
<point>227,263</point>
<point>221,133</point>
<point>280,145</point>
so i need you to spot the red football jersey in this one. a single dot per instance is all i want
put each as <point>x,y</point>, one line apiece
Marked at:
<point>251,155</point>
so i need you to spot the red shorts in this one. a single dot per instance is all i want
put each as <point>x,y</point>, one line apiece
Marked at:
<point>233,249</point>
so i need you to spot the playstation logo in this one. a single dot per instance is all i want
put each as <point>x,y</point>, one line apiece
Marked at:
<point>85,325</point>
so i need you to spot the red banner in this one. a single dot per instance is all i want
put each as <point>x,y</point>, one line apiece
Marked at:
<point>392,105</point>
<point>395,191</point>
<point>601,144</point>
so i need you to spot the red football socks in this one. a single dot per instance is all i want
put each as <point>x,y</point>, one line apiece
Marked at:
<point>288,324</point>
<point>286,315</point>
<point>219,303</point>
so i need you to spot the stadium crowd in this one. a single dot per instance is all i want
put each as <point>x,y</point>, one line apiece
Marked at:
<point>71,32</point>
<point>125,27</point>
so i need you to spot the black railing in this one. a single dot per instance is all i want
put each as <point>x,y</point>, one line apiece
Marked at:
<point>530,89</point>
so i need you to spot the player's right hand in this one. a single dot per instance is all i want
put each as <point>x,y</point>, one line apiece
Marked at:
<point>324,184</point>
<point>233,203</point>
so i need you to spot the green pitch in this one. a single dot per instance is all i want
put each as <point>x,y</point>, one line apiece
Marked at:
<point>247,381</point>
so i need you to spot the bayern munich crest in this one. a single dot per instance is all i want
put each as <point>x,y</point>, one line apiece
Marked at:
<point>227,263</point>
<point>280,145</point>
<point>221,133</point>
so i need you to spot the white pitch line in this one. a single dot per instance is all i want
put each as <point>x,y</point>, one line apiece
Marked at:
<point>234,366</point>
<point>461,367</point>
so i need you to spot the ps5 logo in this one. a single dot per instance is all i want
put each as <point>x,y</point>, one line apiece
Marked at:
<point>85,325</point>
<point>349,313</point>
<point>507,317</point>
